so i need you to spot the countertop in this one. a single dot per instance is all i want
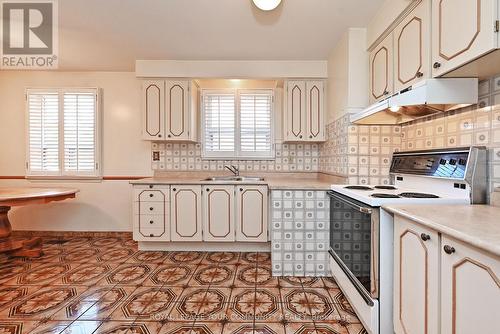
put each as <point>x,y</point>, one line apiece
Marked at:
<point>291,181</point>
<point>477,225</point>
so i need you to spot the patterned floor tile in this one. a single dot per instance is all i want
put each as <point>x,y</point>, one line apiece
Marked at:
<point>17,327</point>
<point>128,274</point>
<point>185,257</point>
<point>226,258</point>
<point>148,257</point>
<point>213,274</point>
<point>171,275</point>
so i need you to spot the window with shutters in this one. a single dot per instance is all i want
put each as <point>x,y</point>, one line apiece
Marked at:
<point>237,124</point>
<point>63,133</point>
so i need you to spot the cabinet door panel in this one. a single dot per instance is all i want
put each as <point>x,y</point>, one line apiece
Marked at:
<point>251,222</point>
<point>314,107</point>
<point>218,213</point>
<point>411,44</point>
<point>295,113</point>
<point>177,110</point>
<point>415,278</point>
<point>381,70</point>
<point>186,213</point>
<point>463,30</point>
<point>470,290</point>
<point>153,94</point>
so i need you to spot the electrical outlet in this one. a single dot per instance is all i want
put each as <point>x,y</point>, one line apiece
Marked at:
<point>156,155</point>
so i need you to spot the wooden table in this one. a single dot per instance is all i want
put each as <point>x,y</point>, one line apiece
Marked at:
<point>19,196</point>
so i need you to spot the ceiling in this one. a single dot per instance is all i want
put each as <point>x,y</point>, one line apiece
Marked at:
<point>110,35</point>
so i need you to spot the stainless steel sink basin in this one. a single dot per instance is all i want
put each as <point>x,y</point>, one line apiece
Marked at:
<point>234,179</point>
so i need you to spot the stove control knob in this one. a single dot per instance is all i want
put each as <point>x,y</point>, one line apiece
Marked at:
<point>442,161</point>
<point>462,162</point>
<point>453,162</point>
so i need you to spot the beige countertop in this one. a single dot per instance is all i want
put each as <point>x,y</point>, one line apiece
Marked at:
<point>477,225</point>
<point>288,181</point>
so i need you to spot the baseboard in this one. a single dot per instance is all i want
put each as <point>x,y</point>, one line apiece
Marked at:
<point>205,246</point>
<point>72,234</point>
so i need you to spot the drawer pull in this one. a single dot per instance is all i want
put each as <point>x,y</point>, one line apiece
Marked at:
<point>150,186</point>
<point>151,195</point>
<point>151,235</point>
<point>151,222</point>
<point>151,208</point>
<point>449,249</point>
<point>419,74</point>
<point>174,189</point>
<point>436,65</point>
<point>425,237</point>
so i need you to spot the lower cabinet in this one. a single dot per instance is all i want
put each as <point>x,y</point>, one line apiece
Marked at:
<point>251,213</point>
<point>185,221</point>
<point>151,207</point>
<point>442,285</point>
<point>218,213</point>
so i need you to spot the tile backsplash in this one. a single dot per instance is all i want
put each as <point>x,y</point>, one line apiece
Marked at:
<point>186,157</point>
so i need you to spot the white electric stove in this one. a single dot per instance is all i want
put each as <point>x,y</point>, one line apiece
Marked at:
<point>361,231</point>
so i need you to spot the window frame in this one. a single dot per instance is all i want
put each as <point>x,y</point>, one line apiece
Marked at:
<point>61,174</point>
<point>237,154</point>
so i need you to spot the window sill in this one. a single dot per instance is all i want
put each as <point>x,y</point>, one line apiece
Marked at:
<point>58,178</point>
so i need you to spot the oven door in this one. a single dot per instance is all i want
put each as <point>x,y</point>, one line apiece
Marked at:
<point>354,243</point>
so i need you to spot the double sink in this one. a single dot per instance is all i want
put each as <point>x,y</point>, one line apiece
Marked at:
<point>234,179</point>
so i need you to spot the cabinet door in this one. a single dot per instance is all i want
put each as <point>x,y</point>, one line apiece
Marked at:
<point>416,278</point>
<point>462,31</point>
<point>153,99</point>
<point>470,289</point>
<point>218,213</point>
<point>412,47</point>
<point>185,213</point>
<point>251,213</point>
<point>295,112</point>
<point>177,106</point>
<point>381,70</point>
<point>315,111</point>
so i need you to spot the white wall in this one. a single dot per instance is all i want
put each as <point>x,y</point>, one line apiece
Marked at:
<point>100,206</point>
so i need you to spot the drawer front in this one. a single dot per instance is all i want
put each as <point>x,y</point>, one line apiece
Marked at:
<point>150,228</point>
<point>150,208</point>
<point>152,193</point>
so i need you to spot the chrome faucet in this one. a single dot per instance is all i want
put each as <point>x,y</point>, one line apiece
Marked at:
<point>233,169</point>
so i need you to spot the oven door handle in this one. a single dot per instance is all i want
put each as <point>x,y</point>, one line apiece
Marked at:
<point>360,208</point>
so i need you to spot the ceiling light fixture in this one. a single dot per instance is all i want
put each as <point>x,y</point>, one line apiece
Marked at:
<point>266,4</point>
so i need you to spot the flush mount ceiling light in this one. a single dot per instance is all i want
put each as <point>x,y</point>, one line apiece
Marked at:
<point>266,4</point>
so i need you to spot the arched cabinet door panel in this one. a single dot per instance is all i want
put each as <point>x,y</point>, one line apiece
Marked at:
<point>381,70</point>
<point>315,111</point>
<point>295,112</point>
<point>185,213</point>
<point>251,213</point>
<point>153,118</point>
<point>218,213</point>
<point>177,107</point>
<point>462,31</point>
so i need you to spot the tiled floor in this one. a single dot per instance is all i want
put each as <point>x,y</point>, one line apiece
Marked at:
<point>104,285</point>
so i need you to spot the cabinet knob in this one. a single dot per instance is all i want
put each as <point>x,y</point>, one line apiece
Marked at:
<point>174,189</point>
<point>150,186</point>
<point>151,222</point>
<point>386,93</point>
<point>151,208</point>
<point>169,136</point>
<point>419,74</point>
<point>300,136</point>
<point>151,195</point>
<point>159,136</point>
<point>449,249</point>
<point>436,65</point>
<point>310,136</point>
<point>425,237</point>
<point>208,189</point>
<point>241,189</point>
<point>151,235</point>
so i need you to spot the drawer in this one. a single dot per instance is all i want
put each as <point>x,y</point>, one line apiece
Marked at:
<point>151,228</point>
<point>154,194</point>
<point>150,208</point>
<point>148,223</point>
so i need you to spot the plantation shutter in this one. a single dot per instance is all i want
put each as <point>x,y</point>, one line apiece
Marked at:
<point>255,123</point>
<point>219,124</point>
<point>79,132</point>
<point>43,131</point>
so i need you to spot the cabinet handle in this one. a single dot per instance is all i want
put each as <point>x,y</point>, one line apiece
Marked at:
<point>151,208</point>
<point>449,249</point>
<point>151,195</point>
<point>386,93</point>
<point>241,189</point>
<point>419,74</point>
<point>425,237</point>
<point>174,189</point>
<point>151,235</point>
<point>150,186</point>
<point>300,136</point>
<point>436,65</point>
<point>169,136</point>
<point>208,189</point>
<point>151,222</point>
<point>159,136</point>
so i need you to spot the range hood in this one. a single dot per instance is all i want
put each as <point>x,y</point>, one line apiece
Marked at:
<point>425,98</point>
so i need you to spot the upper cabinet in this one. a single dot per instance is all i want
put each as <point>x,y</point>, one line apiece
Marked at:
<point>169,110</point>
<point>412,47</point>
<point>304,111</point>
<point>462,31</point>
<point>381,70</point>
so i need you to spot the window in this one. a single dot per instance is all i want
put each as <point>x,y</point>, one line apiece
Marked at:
<point>63,133</point>
<point>237,124</point>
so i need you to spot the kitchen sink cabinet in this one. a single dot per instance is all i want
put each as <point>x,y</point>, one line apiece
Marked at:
<point>470,289</point>
<point>169,110</point>
<point>442,285</point>
<point>186,213</point>
<point>381,70</point>
<point>416,276</point>
<point>251,213</point>
<point>304,111</point>
<point>462,31</point>
<point>412,47</point>
<point>218,213</point>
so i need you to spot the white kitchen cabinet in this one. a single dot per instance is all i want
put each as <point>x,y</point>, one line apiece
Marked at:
<point>416,278</point>
<point>470,289</point>
<point>412,47</point>
<point>170,110</point>
<point>151,213</point>
<point>381,70</point>
<point>251,213</point>
<point>153,104</point>
<point>186,213</point>
<point>462,30</point>
<point>218,213</point>
<point>304,111</point>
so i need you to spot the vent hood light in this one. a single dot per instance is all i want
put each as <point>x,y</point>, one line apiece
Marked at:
<point>267,5</point>
<point>425,98</point>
